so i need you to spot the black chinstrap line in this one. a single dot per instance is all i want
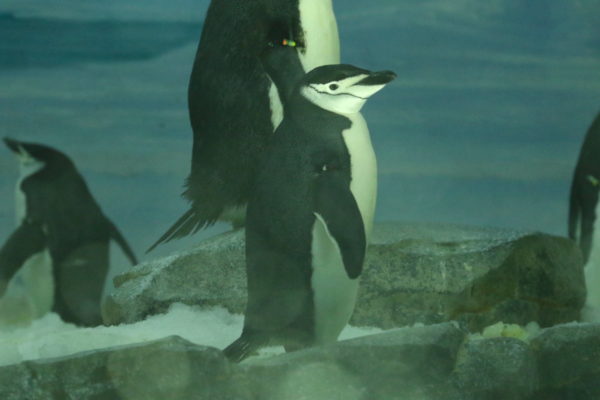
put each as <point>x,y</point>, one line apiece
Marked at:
<point>338,94</point>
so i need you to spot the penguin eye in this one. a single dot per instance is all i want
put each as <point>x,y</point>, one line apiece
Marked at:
<point>333,86</point>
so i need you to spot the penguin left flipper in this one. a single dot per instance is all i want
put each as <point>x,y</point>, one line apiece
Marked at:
<point>27,240</point>
<point>337,208</point>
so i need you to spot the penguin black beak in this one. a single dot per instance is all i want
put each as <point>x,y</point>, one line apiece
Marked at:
<point>378,78</point>
<point>12,144</point>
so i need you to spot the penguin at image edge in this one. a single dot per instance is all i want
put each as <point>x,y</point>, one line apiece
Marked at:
<point>233,105</point>
<point>310,217</point>
<point>584,209</point>
<point>60,248</point>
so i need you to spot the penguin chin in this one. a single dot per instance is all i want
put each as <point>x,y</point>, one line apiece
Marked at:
<point>29,165</point>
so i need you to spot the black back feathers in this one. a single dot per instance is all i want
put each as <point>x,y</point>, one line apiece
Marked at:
<point>585,190</point>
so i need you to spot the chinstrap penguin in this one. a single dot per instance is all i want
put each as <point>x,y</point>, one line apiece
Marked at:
<point>310,215</point>
<point>233,105</point>
<point>61,234</point>
<point>583,214</point>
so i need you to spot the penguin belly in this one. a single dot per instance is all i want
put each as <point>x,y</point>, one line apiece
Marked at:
<point>322,45</point>
<point>591,312</point>
<point>363,168</point>
<point>38,281</point>
<point>334,293</point>
<point>20,203</point>
<point>321,37</point>
<point>30,294</point>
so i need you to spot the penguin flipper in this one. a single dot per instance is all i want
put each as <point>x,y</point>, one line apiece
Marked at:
<point>116,235</point>
<point>241,348</point>
<point>27,240</point>
<point>337,207</point>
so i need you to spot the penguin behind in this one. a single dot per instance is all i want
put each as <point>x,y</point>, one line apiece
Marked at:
<point>61,234</point>
<point>305,229</point>
<point>583,213</point>
<point>233,105</point>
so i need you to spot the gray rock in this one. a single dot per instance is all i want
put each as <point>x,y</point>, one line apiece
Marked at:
<point>407,363</point>
<point>435,273</point>
<point>413,273</point>
<point>437,362</point>
<point>569,361</point>
<point>496,369</point>
<point>211,274</point>
<point>171,368</point>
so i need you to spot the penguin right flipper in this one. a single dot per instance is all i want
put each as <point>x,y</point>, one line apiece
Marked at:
<point>116,235</point>
<point>337,207</point>
<point>27,240</point>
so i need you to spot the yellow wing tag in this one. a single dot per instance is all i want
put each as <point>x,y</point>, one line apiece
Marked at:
<point>594,181</point>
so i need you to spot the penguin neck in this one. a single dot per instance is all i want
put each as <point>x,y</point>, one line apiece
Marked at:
<point>312,117</point>
<point>284,68</point>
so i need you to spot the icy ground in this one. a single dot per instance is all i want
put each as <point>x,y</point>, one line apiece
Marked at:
<point>50,337</point>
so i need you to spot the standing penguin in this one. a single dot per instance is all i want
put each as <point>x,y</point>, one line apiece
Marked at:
<point>310,215</point>
<point>61,233</point>
<point>583,212</point>
<point>234,107</point>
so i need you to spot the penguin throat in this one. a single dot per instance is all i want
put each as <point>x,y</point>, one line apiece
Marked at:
<point>340,103</point>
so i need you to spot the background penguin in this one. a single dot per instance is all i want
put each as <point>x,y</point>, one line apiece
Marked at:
<point>61,234</point>
<point>234,107</point>
<point>583,212</point>
<point>310,215</point>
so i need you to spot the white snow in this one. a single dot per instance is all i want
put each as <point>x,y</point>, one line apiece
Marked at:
<point>50,337</point>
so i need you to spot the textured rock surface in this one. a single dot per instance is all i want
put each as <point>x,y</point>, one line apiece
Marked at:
<point>413,273</point>
<point>212,274</point>
<point>435,273</point>
<point>569,361</point>
<point>496,368</point>
<point>171,368</point>
<point>436,362</point>
<point>407,363</point>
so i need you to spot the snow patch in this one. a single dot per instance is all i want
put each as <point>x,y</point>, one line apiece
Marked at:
<point>50,337</point>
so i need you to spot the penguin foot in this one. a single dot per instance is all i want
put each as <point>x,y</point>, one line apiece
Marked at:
<point>243,347</point>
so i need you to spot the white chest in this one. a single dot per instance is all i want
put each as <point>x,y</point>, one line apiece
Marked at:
<point>27,167</point>
<point>276,106</point>
<point>363,164</point>
<point>20,203</point>
<point>592,271</point>
<point>32,289</point>
<point>322,45</point>
<point>334,294</point>
<point>321,36</point>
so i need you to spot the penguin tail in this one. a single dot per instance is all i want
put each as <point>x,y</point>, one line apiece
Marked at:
<point>187,224</point>
<point>241,348</point>
<point>118,237</point>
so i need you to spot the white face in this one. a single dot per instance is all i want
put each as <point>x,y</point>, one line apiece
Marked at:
<point>27,164</point>
<point>345,96</point>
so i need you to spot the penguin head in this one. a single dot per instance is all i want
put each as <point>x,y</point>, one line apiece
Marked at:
<point>34,157</point>
<point>342,89</point>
